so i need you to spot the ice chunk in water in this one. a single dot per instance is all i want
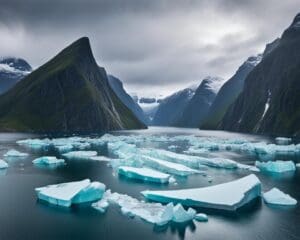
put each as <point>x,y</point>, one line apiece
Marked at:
<point>145,174</point>
<point>64,148</point>
<point>227,196</point>
<point>155,213</point>
<point>65,194</point>
<point>276,166</point>
<point>169,167</point>
<point>283,141</point>
<point>48,160</point>
<point>100,158</point>
<point>277,197</point>
<point>80,155</point>
<point>181,215</point>
<point>3,164</point>
<point>201,217</point>
<point>15,153</point>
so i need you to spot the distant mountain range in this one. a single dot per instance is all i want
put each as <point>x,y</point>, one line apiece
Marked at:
<point>70,93</point>
<point>11,71</point>
<point>171,108</point>
<point>270,100</point>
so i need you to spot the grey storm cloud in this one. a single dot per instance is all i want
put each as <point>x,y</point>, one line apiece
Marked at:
<point>151,45</point>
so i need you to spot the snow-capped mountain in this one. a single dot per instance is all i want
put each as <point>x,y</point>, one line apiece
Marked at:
<point>197,108</point>
<point>11,71</point>
<point>171,107</point>
<point>229,92</point>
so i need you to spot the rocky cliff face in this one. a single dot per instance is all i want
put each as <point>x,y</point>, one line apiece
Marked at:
<point>118,88</point>
<point>229,93</point>
<point>270,100</point>
<point>197,108</point>
<point>67,94</point>
<point>11,71</point>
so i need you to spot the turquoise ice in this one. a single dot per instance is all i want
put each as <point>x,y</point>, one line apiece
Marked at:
<point>3,164</point>
<point>65,194</point>
<point>276,166</point>
<point>15,153</point>
<point>277,197</point>
<point>48,160</point>
<point>80,155</point>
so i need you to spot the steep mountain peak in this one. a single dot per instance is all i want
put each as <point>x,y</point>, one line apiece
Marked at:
<point>271,46</point>
<point>293,30</point>
<point>214,83</point>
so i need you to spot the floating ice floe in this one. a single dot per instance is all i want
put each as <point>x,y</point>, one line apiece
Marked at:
<point>3,164</point>
<point>283,140</point>
<point>201,217</point>
<point>227,196</point>
<point>66,194</point>
<point>155,213</point>
<point>276,166</point>
<point>15,153</point>
<point>48,160</point>
<point>100,158</point>
<point>165,166</point>
<point>145,174</point>
<point>277,197</point>
<point>64,148</point>
<point>80,155</point>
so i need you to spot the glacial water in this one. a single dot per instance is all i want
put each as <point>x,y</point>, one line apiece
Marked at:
<point>23,217</point>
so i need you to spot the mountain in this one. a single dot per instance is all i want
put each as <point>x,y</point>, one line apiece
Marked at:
<point>149,106</point>
<point>229,93</point>
<point>171,108</point>
<point>11,71</point>
<point>197,108</point>
<point>70,93</point>
<point>118,88</point>
<point>270,100</point>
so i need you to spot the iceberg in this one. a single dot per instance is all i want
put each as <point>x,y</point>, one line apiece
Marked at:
<point>3,164</point>
<point>277,197</point>
<point>48,160</point>
<point>65,194</point>
<point>276,166</point>
<point>201,217</point>
<point>169,167</point>
<point>15,153</point>
<point>145,174</point>
<point>155,213</point>
<point>283,141</point>
<point>181,215</point>
<point>80,155</point>
<point>227,196</point>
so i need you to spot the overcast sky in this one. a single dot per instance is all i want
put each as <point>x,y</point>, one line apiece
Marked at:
<point>153,46</point>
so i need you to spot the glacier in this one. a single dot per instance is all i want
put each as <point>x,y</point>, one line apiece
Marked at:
<point>15,153</point>
<point>276,166</point>
<point>3,164</point>
<point>145,174</point>
<point>48,160</point>
<point>277,197</point>
<point>66,194</point>
<point>227,196</point>
<point>155,213</point>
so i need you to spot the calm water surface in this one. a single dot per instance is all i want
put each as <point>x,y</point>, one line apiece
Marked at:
<point>23,217</point>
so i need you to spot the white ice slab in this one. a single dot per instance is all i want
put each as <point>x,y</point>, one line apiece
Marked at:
<point>277,197</point>
<point>15,153</point>
<point>65,194</point>
<point>283,140</point>
<point>166,166</point>
<point>48,160</point>
<point>145,174</point>
<point>3,164</point>
<point>80,155</point>
<point>276,166</point>
<point>201,217</point>
<point>227,196</point>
